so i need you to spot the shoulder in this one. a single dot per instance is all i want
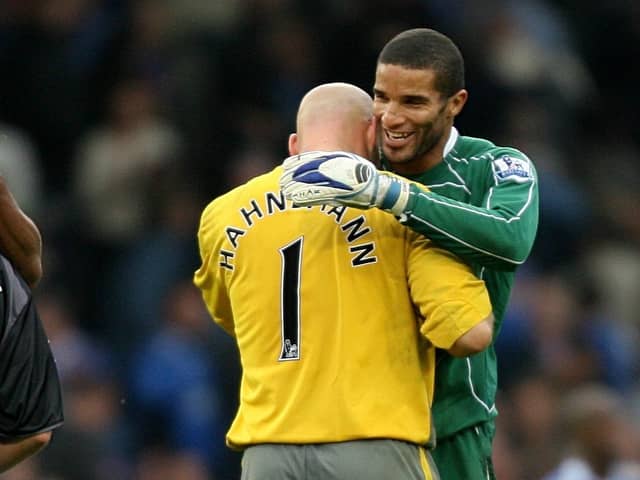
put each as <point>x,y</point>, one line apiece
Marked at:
<point>504,163</point>
<point>474,148</point>
<point>510,164</point>
<point>239,195</point>
<point>225,208</point>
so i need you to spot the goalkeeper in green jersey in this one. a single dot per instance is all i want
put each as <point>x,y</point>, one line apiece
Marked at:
<point>468,195</point>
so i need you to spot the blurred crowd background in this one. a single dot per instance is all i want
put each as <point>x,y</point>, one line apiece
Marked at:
<point>120,120</point>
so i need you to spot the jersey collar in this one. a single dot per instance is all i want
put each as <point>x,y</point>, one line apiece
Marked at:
<point>453,138</point>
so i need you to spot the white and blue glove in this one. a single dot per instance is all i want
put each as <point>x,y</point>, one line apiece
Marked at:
<point>341,178</point>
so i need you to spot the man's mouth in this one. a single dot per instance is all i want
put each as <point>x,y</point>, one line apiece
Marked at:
<point>397,139</point>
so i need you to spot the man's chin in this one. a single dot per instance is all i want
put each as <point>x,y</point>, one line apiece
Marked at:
<point>394,157</point>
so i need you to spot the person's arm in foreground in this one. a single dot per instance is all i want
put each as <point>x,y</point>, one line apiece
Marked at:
<point>30,390</point>
<point>12,453</point>
<point>20,239</point>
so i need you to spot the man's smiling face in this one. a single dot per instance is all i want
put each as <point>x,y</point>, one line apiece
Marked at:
<point>413,118</point>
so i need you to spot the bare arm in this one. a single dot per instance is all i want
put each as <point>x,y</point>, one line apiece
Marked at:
<point>475,340</point>
<point>20,239</point>
<point>13,453</point>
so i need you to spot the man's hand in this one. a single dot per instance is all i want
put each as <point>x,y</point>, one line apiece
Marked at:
<point>341,178</point>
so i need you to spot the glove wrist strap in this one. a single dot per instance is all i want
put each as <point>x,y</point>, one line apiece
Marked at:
<point>393,194</point>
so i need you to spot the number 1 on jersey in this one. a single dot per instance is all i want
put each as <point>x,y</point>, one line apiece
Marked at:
<point>291,256</point>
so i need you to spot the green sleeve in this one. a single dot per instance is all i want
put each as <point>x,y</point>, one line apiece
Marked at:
<point>499,234</point>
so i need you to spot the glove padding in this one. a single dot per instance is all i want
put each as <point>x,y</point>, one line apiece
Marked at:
<point>341,178</point>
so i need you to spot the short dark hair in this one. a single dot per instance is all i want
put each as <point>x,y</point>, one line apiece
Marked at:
<point>427,49</point>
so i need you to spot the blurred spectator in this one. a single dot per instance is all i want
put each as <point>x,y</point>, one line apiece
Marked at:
<point>249,163</point>
<point>531,425</point>
<point>195,15</point>
<point>121,172</point>
<point>565,207</point>
<point>120,164</point>
<point>615,268</point>
<point>557,324</point>
<point>20,167</point>
<point>607,330</point>
<point>507,461</point>
<point>141,275</point>
<point>57,58</point>
<point>545,333</point>
<point>597,430</point>
<point>531,49</point>
<point>611,173</point>
<point>276,44</point>
<point>604,54</point>
<point>177,395</point>
<point>180,61</point>
<point>93,442</point>
<point>166,464</point>
<point>77,354</point>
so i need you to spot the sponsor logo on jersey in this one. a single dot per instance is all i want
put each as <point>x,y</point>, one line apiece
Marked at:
<point>513,169</point>
<point>290,350</point>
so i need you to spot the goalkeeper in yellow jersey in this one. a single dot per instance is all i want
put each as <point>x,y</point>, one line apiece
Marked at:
<point>336,312</point>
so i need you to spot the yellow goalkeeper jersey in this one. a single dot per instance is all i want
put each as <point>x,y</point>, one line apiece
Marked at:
<point>335,312</point>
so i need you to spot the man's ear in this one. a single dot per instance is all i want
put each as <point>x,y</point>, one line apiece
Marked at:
<point>293,144</point>
<point>457,101</point>
<point>370,136</point>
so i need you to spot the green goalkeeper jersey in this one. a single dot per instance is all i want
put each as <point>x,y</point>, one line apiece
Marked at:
<point>482,205</point>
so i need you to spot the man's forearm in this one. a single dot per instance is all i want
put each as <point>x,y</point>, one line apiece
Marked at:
<point>13,453</point>
<point>20,239</point>
<point>499,238</point>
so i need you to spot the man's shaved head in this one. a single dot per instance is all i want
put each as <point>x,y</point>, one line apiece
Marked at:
<point>335,116</point>
<point>334,102</point>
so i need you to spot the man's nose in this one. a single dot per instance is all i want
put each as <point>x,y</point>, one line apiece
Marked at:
<point>390,115</point>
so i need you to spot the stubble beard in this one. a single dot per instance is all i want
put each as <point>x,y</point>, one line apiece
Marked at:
<point>413,158</point>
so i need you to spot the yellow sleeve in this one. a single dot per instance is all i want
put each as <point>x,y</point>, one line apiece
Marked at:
<point>451,299</point>
<point>210,277</point>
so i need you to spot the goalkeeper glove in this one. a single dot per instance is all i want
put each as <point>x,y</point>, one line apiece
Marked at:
<point>342,178</point>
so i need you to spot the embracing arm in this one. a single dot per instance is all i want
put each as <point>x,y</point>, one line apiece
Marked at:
<point>20,239</point>
<point>499,234</point>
